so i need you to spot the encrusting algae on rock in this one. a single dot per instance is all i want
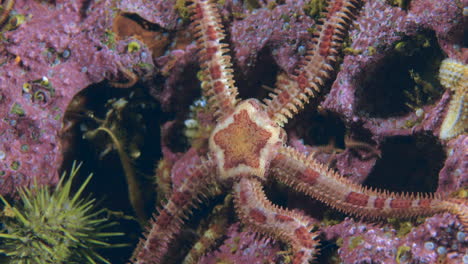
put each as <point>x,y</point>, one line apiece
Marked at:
<point>54,226</point>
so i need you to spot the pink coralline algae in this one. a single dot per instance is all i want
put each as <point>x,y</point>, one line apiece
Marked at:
<point>263,30</point>
<point>56,52</point>
<point>437,240</point>
<point>376,38</point>
<point>162,13</point>
<point>453,175</point>
<point>385,107</point>
<point>243,247</point>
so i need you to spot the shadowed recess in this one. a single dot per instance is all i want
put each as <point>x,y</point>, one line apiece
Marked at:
<point>261,79</point>
<point>132,118</point>
<point>322,129</point>
<point>404,80</point>
<point>408,163</point>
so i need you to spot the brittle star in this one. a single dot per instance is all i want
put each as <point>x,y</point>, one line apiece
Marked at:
<point>248,146</point>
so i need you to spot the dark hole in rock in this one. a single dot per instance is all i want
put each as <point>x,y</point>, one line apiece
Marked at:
<point>408,163</point>
<point>320,129</point>
<point>133,117</point>
<point>406,79</point>
<point>176,140</point>
<point>85,6</point>
<point>142,22</point>
<point>261,78</point>
<point>176,99</point>
<point>177,95</point>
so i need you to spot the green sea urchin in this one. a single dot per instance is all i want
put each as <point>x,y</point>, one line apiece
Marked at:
<point>53,226</point>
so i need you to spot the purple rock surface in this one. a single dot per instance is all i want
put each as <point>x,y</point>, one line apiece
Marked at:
<point>386,98</point>
<point>243,247</point>
<point>58,50</point>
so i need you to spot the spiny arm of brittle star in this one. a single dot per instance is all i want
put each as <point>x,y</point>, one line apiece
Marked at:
<point>171,216</point>
<point>453,75</point>
<point>293,92</point>
<point>316,180</point>
<point>456,119</point>
<point>6,9</point>
<point>163,181</point>
<point>217,78</point>
<point>256,211</point>
<point>132,78</point>
<point>218,224</point>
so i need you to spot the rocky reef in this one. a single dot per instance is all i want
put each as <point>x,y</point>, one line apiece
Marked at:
<point>377,122</point>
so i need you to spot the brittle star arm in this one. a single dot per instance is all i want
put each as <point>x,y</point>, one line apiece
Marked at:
<point>453,75</point>
<point>5,10</point>
<point>291,93</point>
<point>316,180</point>
<point>198,180</point>
<point>256,211</point>
<point>217,78</point>
<point>218,223</point>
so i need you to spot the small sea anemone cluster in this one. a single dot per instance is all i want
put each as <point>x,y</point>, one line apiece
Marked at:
<point>440,240</point>
<point>53,226</point>
<point>444,250</point>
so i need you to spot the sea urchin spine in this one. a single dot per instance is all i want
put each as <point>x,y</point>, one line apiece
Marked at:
<point>53,227</point>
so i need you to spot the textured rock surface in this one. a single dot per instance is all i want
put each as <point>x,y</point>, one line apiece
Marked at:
<point>386,101</point>
<point>243,247</point>
<point>56,52</point>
